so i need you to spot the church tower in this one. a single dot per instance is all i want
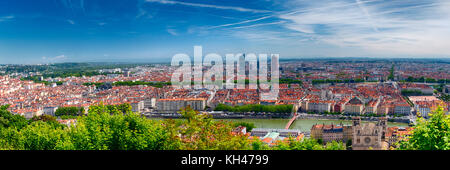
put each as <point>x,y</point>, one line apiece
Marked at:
<point>356,121</point>
<point>382,122</point>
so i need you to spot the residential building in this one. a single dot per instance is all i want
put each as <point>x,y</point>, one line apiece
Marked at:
<point>50,111</point>
<point>137,106</point>
<point>328,133</point>
<point>354,106</point>
<point>402,109</point>
<point>170,105</point>
<point>319,106</point>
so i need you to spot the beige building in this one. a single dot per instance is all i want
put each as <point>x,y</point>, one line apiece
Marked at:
<point>303,105</point>
<point>173,105</point>
<point>319,106</point>
<point>383,109</point>
<point>328,133</point>
<point>348,133</point>
<point>372,106</point>
<point>50,111</point>
<point>354,106</point>
<point>335,133</point>
<point>137,106</point>
<point>402,108</point>
<point>150,103</point>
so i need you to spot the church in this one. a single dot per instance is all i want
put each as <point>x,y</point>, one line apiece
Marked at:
<point>369,136</point>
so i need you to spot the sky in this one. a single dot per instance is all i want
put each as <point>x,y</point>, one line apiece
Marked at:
<point>49,31</point>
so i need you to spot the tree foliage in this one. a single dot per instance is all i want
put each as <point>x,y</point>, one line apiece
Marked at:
<point>432,134</point>
<point>308,144</point>
<point>8,120</point>
<point>411,93</point>
<point>391,73</point>
<point>290,81</point>
<point>102,129</point>
<point>445,97</point>
<point>200,132</point>
<point>428,80</point>
<point>248,125</point>
<point>72,111</point>
<point>109,128</point>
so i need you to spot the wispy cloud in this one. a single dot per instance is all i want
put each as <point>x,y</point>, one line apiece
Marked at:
<point>74,5</point>
<point>54,59</point>
<point>172,31</point>
<point>241,22</point>
<point>241,9</point>
<point>406,27</point>
<point>261,24</point>
<point>381,28</point>
<point>7,18</point>
<point>71,21</point>
<point>367,14</point>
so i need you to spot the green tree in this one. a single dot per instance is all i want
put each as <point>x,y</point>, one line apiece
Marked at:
<point>247,125</point>
<point>9,120</point>
<point>259,145</point>
<point>72,111</point>
<point>307,144</point>
<point>432,134</point>
<point>48,119</point>
<point>102,129</point>
<point>293,144</point>
<point>200,132</point>
<point>391,73</point>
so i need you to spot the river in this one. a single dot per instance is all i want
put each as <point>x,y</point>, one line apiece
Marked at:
<point>302,124</point>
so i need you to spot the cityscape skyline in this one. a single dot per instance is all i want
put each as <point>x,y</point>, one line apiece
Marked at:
<point>297,59</point>
<point>355,104</point>
<point>58,31</point>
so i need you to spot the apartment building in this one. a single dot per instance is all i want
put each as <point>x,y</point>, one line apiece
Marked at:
<point>354,106</point>
<point>171,105</point>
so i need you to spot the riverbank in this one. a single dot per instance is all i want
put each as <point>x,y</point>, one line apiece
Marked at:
<point>343,117</point>
<point>223,115</point>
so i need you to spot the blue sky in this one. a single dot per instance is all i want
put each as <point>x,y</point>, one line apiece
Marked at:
<point>47,31</point>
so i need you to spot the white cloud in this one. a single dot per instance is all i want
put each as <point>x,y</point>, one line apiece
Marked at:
<point>208,6</point>
<point>71,21</point>
<point>381,27</point>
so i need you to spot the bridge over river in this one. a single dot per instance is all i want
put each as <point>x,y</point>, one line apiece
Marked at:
<point>294,116</point>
